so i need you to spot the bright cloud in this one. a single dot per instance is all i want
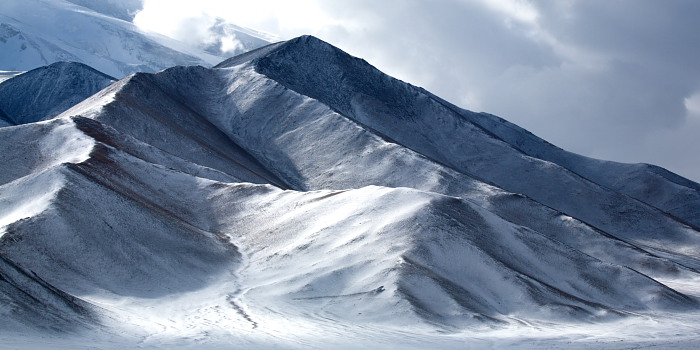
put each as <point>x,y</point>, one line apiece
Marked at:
<point>692,104</point>
<point>519,10</point>
<point>279,17</point>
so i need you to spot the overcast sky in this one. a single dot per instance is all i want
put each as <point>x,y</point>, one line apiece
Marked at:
<point>611,79</point>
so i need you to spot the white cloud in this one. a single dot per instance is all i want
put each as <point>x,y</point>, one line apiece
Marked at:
<point>692,105</point>
<point>519,10</point>
<point>280,17</point>
<point>167,17</point>
<point>230,44</point>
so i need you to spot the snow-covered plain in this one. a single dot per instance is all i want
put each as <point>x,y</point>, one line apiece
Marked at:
<point>295,197</point>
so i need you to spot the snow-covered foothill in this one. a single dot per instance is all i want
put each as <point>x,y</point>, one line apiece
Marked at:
<point>296,197</point>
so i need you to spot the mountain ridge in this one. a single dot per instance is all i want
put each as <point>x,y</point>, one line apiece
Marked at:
<point>482,121</point>
<point>45,92</point>
<point>343,105</point>
<point>296,183</point>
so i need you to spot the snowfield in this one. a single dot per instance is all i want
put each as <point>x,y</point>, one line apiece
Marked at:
<point>294,197</point>
<point>35,33</point>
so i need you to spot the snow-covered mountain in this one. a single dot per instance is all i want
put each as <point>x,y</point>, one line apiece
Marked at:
<point>122,9</point>
<point>34,33</point>
<point>45,92</point>
<point>227,39</point>
<point>294,196</point>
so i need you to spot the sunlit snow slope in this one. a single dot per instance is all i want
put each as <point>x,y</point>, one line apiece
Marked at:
<point>34,33</point>
<point>298,186</point>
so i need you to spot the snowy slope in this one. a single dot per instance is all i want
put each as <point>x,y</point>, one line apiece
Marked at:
<point>28,301</point>
<point>308,146</point>
<point>4,75</point>
<point>141,109</point>
<point>648,183</point>
<point>296,197</point>
<point>416,119</point>
<point>122,9</point>
<point>45,92</point>
<point>305,130</point>
<point>35,33</point>
<point>443,260</point>
<point>5,120</point>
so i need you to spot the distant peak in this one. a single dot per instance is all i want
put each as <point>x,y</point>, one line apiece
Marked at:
<point>71,65</point>
<point>308,39</point>
<point>304,43</point>
<point>308,42</point>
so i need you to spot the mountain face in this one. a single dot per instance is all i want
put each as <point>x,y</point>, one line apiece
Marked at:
<point>5,120</point>
<point>45,92</point>
<point>121,9</point>
<point>35,33</point>
<point>296,187</point>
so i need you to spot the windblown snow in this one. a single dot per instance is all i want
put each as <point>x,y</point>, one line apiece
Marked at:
<point>296,197</point>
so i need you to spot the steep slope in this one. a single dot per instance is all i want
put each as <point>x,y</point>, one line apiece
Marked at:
<point>435,258</point>
<point>5,120</point>
<point>34,148</point>
<point>138,107</point>
<point>30,302</point>
<point>116,227</point>
<point>97,224</point>
<point>297,186</point>
<point>306,145</point>
<point>650,184</point>
<point>122,9</point>
<point>427,125</point>
<point>45,92</point>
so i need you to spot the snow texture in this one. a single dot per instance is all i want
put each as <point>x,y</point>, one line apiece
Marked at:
<point>35,33</point>
<point>45,92</point>
<point>296,197</point>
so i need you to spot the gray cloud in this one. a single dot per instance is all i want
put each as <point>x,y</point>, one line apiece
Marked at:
<point>608,79</point>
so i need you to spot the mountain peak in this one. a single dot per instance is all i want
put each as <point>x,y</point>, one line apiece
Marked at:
<point>315,68</point>
<point>306,44</point>
<point>45,92</point>
<point>309,41</point>
<point>65,66</point>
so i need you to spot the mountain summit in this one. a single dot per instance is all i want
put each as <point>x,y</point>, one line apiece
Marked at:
<point>297,187</point>
<point>45,92</point>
